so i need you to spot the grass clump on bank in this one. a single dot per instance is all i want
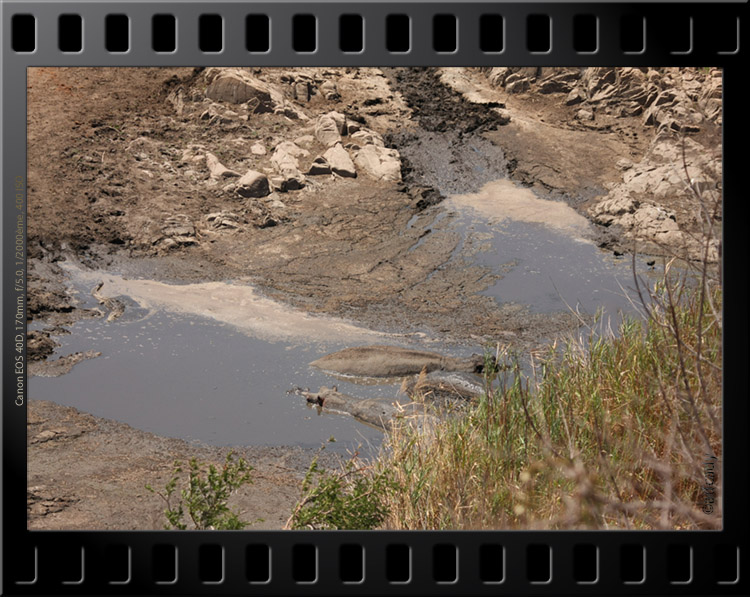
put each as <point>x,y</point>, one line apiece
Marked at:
<point>604,432</point>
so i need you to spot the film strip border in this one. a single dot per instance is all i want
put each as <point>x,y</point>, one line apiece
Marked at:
<point>364,34</point>
<point>424,563</point>
<point>302,34</point>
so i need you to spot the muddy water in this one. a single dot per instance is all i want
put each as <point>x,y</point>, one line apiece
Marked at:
<point>549,262</point>
<point>195,378</point>
<point>213,361</point>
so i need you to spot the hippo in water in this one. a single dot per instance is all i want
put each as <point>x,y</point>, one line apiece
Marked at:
<point>394,361</point>
<point>377,413</point>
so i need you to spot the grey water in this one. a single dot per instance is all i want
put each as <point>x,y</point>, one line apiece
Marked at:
<point>551,271</point>
<point>197,379</point>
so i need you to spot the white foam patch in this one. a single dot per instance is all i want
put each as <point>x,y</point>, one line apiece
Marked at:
<point>240,306</point>
<point>503,199</point>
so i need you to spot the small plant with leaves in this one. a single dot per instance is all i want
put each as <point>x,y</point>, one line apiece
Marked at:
<point>350,498</point>
<point>205,497</point>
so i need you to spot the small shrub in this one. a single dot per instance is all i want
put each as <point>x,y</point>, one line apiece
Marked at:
<point>351,498</point>
<point>205,496</point>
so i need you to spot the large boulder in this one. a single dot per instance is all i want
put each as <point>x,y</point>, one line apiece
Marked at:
<point>327,131</point>
<point>340,161</point>
<point>238,87</point>
<point>379,162</point>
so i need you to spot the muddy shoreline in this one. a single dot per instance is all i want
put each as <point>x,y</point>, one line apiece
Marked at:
<point>122,187</point>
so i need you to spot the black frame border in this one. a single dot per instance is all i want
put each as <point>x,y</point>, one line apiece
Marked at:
<point>20,546</point>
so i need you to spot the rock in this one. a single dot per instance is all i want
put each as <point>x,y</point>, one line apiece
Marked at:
<point>304,140</point>
<point>178,230</point>
<point>319,167</point>
<point>217,169</point>
<point>327,131</point>
<point>379,162</point>
<point>517,86</point>
<point>340,161</point>
<point>527,72</point>
<point>290,111</point>
<point>367,137</point>
<point>302,91</point>
<point>585,115</point>
<point>253,184</point>
<point>60,366</point>
<point>631,109</point>
<point>555,84</point>
<point>223,220</point>
<point>576,96</point>
<point>43,436</point>
<point>277,183</point>
<point>340,121</point>
<point>39,345</point>
<point>624,164</point>
<point>258,149</point>
<point>329,91</point>
<point>292,149</point>
<point>237,87</point>
<point>194,154</point>
<point>610,211</point>
<point>497,75</point>
<point>352,127</point>
<point>606,92</point>
<point>178,98</point>
<point>261,215</point>
<point>595,78</point>
<point>287,165</point>
<point>667,97</point>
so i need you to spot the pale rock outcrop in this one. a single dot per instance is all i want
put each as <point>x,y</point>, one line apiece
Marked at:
<point>194,154</point>
<point>340,161</point>
<point>367,137</point>
<point>236,86</point>
<point>328,130</point>
<point>635,203</point>
<point>305,140</point>
<point>379,162</point>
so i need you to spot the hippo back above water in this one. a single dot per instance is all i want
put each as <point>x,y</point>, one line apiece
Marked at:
<point>394,361</point>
